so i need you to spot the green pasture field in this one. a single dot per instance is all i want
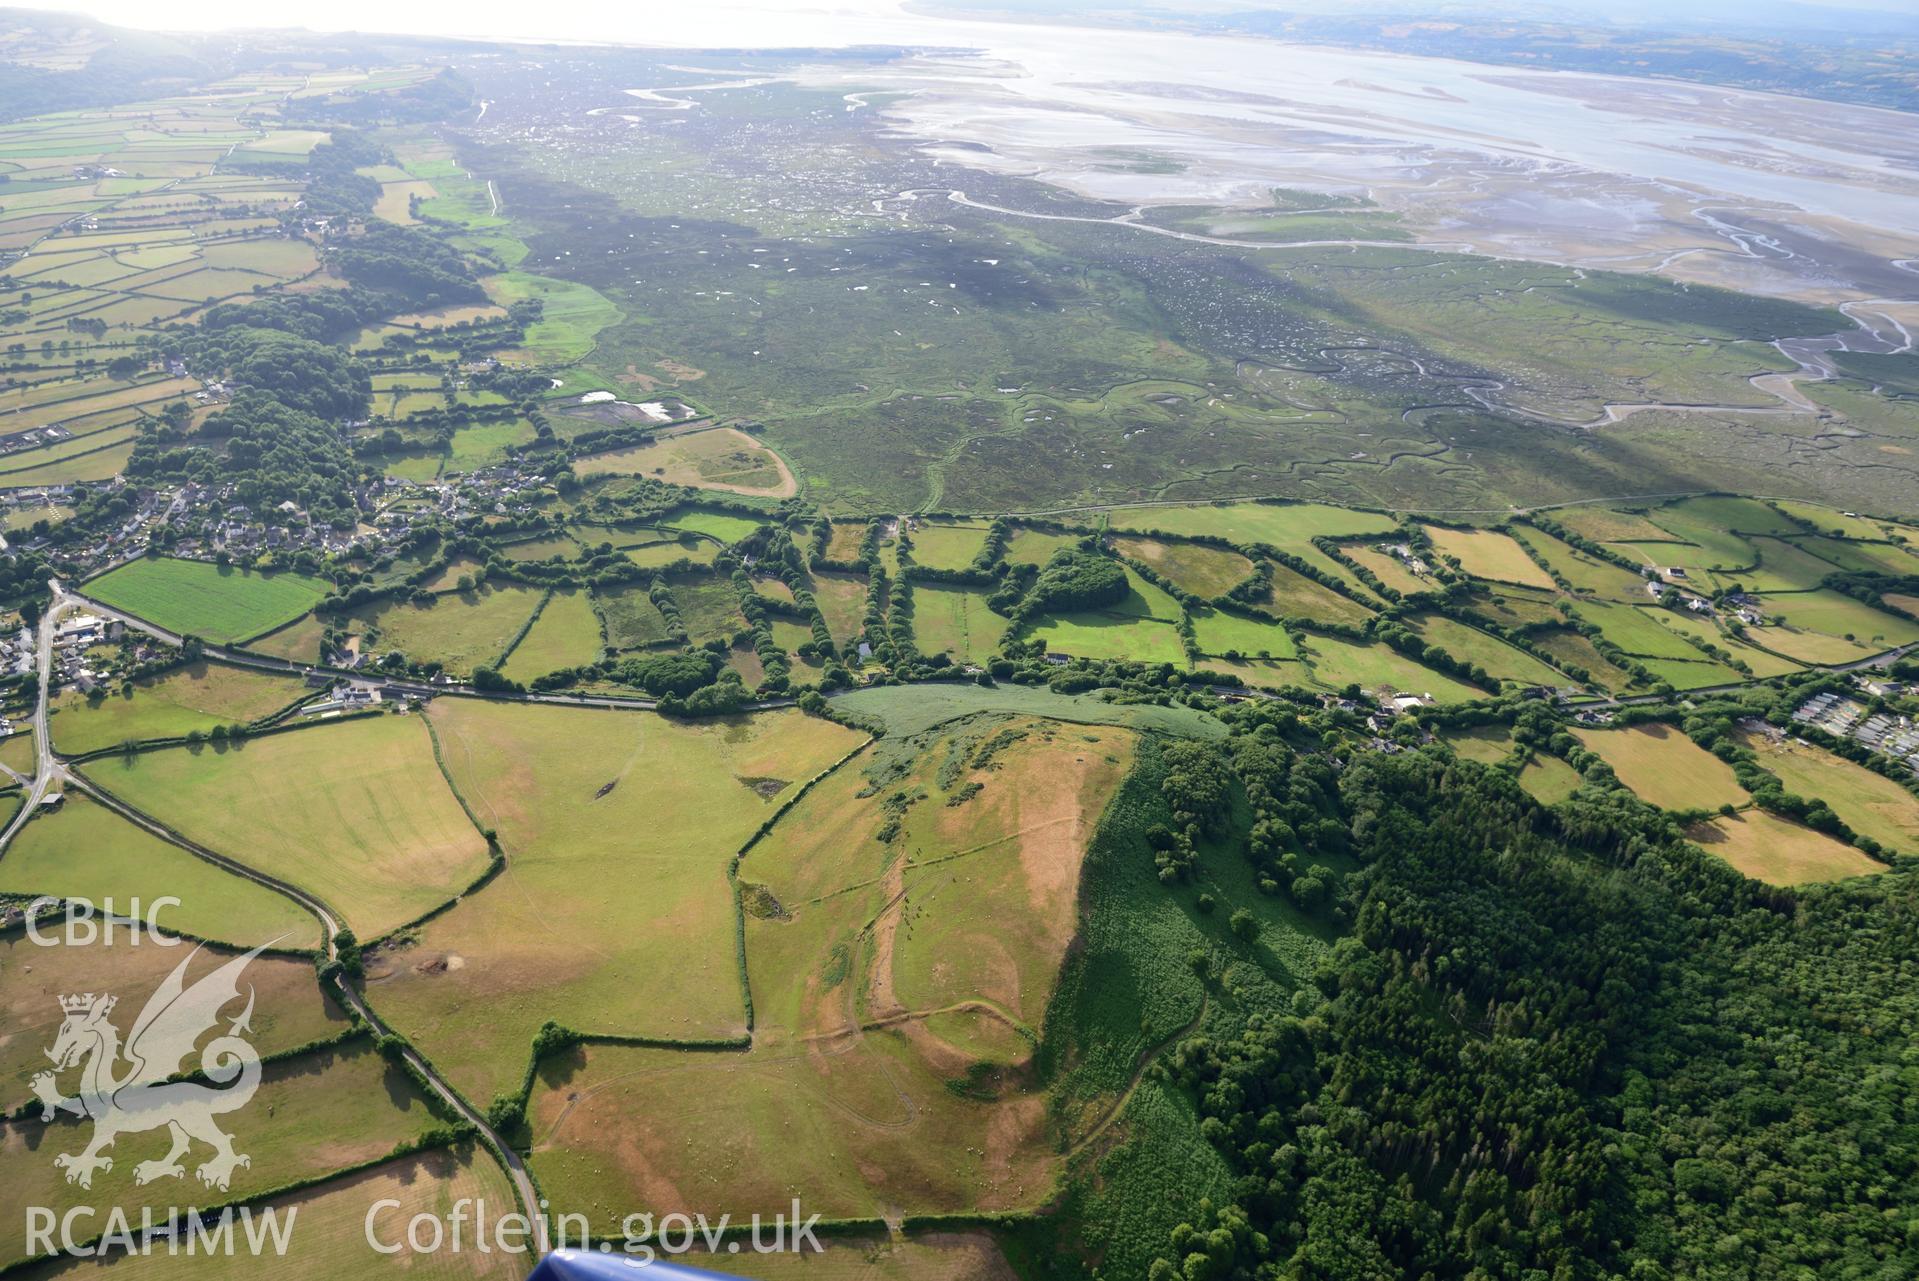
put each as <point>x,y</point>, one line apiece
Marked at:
<point>909,710</point>
<point>312,1115</point>
<point>17,752</point>
<point>1548,779</point>
<point>289,1009</point>
<point>1836,614</point>
<point>1517,607</point>
<point>942,546</point>
<point>1723,511</point>
<point>723,526</point>
<point>462,630</point>
<point>1138,639</point>
<point>1569,648</point>
<point>842,603</point>
<point>1036,546</point>
<point>1487,744</point>
<point>474,447</point>
<point>655,555</point>
<point>355,812</point>
<point>84,850</point>
<point>1772,849</point>
<point>197,696</point>
<point>1687,674</point>
<point>1219,634</point>
<point>709,607</point>
<point>1763,662</point>
<point>955,621</point>
<point>566,634</point>
<point>1293,595</point>
<point>1337,663</point>
<point>1870,803</point>
<point>198,598</point>
<point>632,620</point>
<point>1664,767</point>
<point>1861,557</point>
<point>1489,554</point>
<point>1287,526</point>
<point>1602,579</point>
<point>330,1239</point>
<point>1260,673</point>
<point>1481,649</point>
<point>1144,600</point>
<point>99,464</point>
<point>542,549</point>
<point>975,903</point>
<point>1633,629</point>
<point>1830,520</point>
<point>1391,571</point>
<point>1206,572</point>
<point>576,796</point>
<point>299,640</point>
<point>568,328</point>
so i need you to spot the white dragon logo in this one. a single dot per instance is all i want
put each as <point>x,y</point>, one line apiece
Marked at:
<point>142,1098</point>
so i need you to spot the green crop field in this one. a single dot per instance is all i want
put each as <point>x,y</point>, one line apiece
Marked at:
<point>577,798</point>
<point>1665,767</point>
<point>356,813</point>
<point>1287,526</point>
<point>1293,595</point>
<point>124,862</point>
<point>197,598</point>
<point>196,697</point>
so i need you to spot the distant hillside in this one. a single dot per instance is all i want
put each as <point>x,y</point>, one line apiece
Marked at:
<point>61,61</point>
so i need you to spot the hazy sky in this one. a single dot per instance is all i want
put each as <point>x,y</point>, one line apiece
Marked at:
<point>765,23</point>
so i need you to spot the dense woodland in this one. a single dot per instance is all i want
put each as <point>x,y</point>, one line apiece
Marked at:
<point>1553,1042</point>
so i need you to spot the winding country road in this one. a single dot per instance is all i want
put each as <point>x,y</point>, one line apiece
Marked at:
<point>51,768</point>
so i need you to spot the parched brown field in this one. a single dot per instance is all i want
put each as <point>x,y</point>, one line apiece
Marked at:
<point>1769,848</point>
<point>329,1241</point>
<point>614,913</point>
<point>1871,804</point>
<point>197,696</point>
<point>722,458</point>
<point>921,1256</point>
<point>289,1008</point>
<point>1204,571</point>
<point>1665,768</point>
<point>355,812</point>
<point>1489,554</point>
<point>313,1114</point>
<point>891,980</point>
